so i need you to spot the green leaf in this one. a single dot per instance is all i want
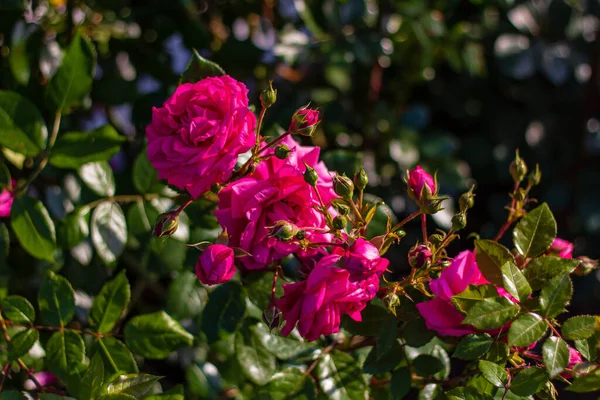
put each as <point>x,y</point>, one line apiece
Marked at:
<point>586,383</point>
<point>21,343</point>
<point>109,231</point>
<point>203,379</point>
<point>529,381</point>
<point>200,68</point>
<point>99,177</point>
<point>257,363</point>
<point>156,335</point>
<point>467,393</point>
<point>400,383</point>
<point>22,127</point>
<point>5,177</point>
<point>387,361</point>
<point>491,313</point>
<point>535,232</point>
<point>556,355</point>
<point>514,282</point>
<point>415,332</point>
<point>427,365</point>
<point>56,300</point>
<point>73,79</point>
<point>555,296</point>
<point>542,270</point>
<point>110,304</point>
<point>526,329</point>
<point>186,297</point>
<point>472,295</point>
<point>494,373</point>
<point>18,58</point>
<point>145,176</point>
<point>115,356</point>
<point>579,327</point>
<point>490,257</point>
<point>33,227</point>
<point>93,378</point>
<point>73,229</point>
<point>18,309</point>
<point>588,348</point>
<point>116,396</point>
<point>136,385</point>
<point>288,384</point>
<point>473,346</point>
<point>224,311</point>
<point>12,395</point>
<point>431,391</point>
<point>65,352</point>
<point>340,377</point>
<point>284,348</point>
<point>498,353</point>
<point>74,149</point>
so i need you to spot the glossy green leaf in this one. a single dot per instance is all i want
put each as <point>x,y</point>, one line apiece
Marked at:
<point>5,177</point>
<point>556,355</point>
<point>116,356</point>
<point>136,385</point>
<point>380,363</point>
<point>109,231</point>
<point>145,176</point>
<point>514,282</point>
<point>18,309</point>
<point>73,229</point>
<point>467,393</point>
<point>472,295</point>
<point>284,348</point>
<point>498,353</point>
<point>99,177</point>
<point>65,352</point>
<point>494,373</point>
<point>200,68</point>
<point>186,297</point>
<point>288,384</point>
<point>526,329</point>
<point>400,383</point>
<point>340,377</point>
<point>491,313</point>
<point>110,304</point>
<point>555,296</point>
<point>204,381</point>
<point>74,149</point>
<point>73,79</point>
<point>426,365</point>
<point>431,391</point>
<point>543,269</point>
<point>56,300</point>
<point>33,227</point>
<point>257,363</point>
<point>529,381</point>
<point>473,346</point>
<point>415,332</point>
<point>535,232</point>
<point>588,347</point>
<point>155,335</point>
<point>12,395</point>
<point>21,343</point>
<point>22,127</point>
<point>491,256</point>
<point>586,383</point>
<point>93,378</point>
<point>579,327</point>
<point>116,396</point>
<point>224,311</point>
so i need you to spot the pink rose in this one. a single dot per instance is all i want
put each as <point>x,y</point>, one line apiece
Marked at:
<point>574,356</point>
<point>6,200</point>
<point>419,180</point>
<point>44,378</point>
<point>304,121</point>
<point>250,207</point>
<point>216,265</point>
<point>439,313</point>
<point>194,140</point>
<point>318,303</point>
<point>362,260</point>
<point>561,248</point>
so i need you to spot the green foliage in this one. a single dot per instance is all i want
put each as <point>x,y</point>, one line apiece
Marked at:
<point>200,68</point>
<point>74,149</point>
<point>224,312</point>
<point>341,377</point>
<point>491,313</point>
<point>473,346</point>
<point>22,127</point>
<point>556,355</point>
<point>18,309</point>
<point>535,232</point>
<point>33,227</point>
<point>155,335</point>
<point>56,300</point>
<point>491,256</point>
<point>526,329</point>
<point>110,304</point>
<point>494,373</point>
<point>579,327</point>
<point>514,282</point>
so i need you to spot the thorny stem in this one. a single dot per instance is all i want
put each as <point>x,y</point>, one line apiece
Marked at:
<point>510,218</point>
<point>424,228</point>
<point>184,205</point>
<point>324,353</point>
<point>406,220</point>
<point>273,142</point>
<point>356,211</point>
<point>258,127</point>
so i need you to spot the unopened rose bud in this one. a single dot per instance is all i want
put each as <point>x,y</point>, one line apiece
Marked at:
<point>392,301</point>
<point>271,317</point>
<point>420,256</point>
<point>518,168</point>
<point>343,186</point>
<point>282,151</point>
<point>216,264</point>
<point>268,97</point>
<point>166,224</point>
<point>304,122</point>
<point>284,231</point>
<point>342,208</point>
<point>310,175</point>
<point>467,200</point>
<point>301,234</point>
<point>361,180</point>
<point>436,239</point>
<point>340,222</point>
<point>459,221</point>
<point>586,266</point>
<point>535,176</point>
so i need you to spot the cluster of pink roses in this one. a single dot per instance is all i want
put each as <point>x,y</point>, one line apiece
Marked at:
<point>194,142</point>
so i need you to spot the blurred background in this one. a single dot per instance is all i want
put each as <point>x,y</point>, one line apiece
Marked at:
<point>454,85</point>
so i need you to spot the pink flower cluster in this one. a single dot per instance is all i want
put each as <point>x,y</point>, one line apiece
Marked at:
<point>194,142</point>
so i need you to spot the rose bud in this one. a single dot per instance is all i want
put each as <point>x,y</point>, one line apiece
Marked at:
<point>216,264</point>
<point>343,186</point>
<point>166,224</point>
<point>282,151</point>
<point>310,175</point>
<point>284,231</point>
<point>420,184</point>
<point>361,179</point>
<point>304,122</point>
<point>268,97</point>
<point>271,317</point>
<point>518,168</point>
<point>419,256</point>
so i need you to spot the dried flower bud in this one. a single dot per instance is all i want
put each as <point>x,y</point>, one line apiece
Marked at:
<point>518,168</point>
<point>361,180</point>
<point>282,151</point>
<point>310,175</point>
<point>284,231</point>
<point>340,222</point>
<point>343,186</point>
<point>420,256</point>
<point>166,224</point>
<point>459,221</point>
<point>268,97</point>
